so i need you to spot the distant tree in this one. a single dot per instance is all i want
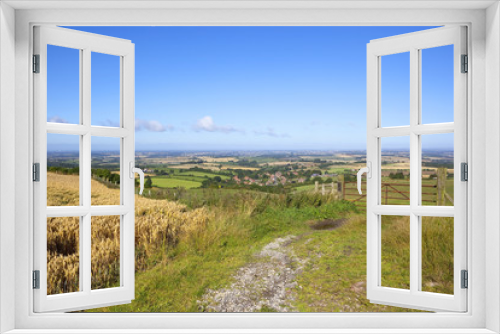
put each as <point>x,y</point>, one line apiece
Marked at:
<point>114,178</point>
<point>148,183</point>
<point>329,180</point>
<point>397,176</point>
<point>217,179</point>
<point>349,177</point>
<point>102,173</point>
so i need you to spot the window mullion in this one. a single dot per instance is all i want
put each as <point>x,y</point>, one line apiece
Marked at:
<point>86,159</point>
<point>414,171</point>
<point>86,139</point>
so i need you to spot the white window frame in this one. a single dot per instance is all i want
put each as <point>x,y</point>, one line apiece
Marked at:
<point>483,314</point>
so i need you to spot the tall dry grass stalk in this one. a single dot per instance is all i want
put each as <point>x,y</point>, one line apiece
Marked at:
<point>159,225</point>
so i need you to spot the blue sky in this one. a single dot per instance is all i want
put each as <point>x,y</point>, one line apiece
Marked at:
<point>255,88</point>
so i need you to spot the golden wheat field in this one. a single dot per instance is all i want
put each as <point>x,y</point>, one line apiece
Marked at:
<point>158,225</point>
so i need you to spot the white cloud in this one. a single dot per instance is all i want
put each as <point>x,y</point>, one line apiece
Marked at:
<point>153,126</point>
<point>207,124</point>
<point>57,119</point>
<point>271,133</point>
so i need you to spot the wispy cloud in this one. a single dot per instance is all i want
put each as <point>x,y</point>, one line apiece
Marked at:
<point>111,123</point>
<point>152,125</point>
<point>57,119</point>
<point>271,133</point>
<point>207,124</point>
<point>319,123</point>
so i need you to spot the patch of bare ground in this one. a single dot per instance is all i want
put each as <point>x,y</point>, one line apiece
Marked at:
<point>266,285</point>
<point>327,224</point>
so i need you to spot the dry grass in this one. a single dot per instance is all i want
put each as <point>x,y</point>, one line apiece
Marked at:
<point>63,254</point>
<point>159,225</point>
<point>62,190</point>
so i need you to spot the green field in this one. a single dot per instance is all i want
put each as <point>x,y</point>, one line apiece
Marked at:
<point>308,187</point>
<point>261,160</point>
<point>190,178</point>
<point>168,182</point>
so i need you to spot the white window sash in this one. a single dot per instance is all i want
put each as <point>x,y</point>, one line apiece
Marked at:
<point>414,297</point>
<point>85,298</point>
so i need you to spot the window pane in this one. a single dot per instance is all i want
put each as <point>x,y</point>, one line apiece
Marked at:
<point>396,251</point>
<point>63,255</point>
<point>395,89</point>
<point>437,84</point>
<point>437,254</point>
<point>105,171</point>
<point>105,90</point>
<point>63,85</point>
<point>395,171</point>
<point>437,169</point>
<point>63,169</point>
<point>105,252</point>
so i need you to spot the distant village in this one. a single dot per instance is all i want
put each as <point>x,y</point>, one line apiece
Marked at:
<point>269,179</point>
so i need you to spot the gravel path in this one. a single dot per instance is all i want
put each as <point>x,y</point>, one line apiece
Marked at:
<point>266,284</point>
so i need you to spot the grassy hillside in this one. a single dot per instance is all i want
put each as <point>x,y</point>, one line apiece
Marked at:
<point>207,259</point>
